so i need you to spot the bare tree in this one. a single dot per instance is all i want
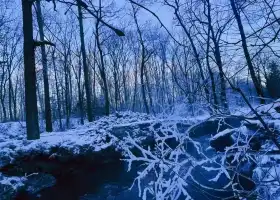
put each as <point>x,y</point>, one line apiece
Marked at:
<point>257,84</point>
<point>48,113</point>
<point>29,73</point>
<point>85,65</point>
<point>102,68</point>
<point>144,58</point>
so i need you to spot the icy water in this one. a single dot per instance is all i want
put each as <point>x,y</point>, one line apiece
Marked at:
<point>107,181</point>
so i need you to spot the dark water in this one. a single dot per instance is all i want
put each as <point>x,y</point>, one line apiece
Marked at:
<point>105,181</point>
<point>109,181</point>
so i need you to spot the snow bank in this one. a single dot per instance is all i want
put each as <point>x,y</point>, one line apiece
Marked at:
<point>81,139</point>
<point>252,144</point>
<point>94,136</point>
<point>10,185</point>
<point>72,140</point>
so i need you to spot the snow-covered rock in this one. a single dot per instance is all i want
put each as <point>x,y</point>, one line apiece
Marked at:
<point>10,185</point>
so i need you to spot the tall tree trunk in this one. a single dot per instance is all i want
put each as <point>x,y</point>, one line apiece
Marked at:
<point>135,87</point>
<point>149,90</point>
<point>70,88</point>
<point>104,79</point>
<point>142,65</point>
<point>10,95</point>
<point>94,79</point>
<point>217,55</point>
<point>196,55</point>
<point>3,92</point>
<point>116,86</point>
<point>222,80</point>
<point>67,99</point>
<point>106,91</point>
<point>211,74</point>
<point>210,32</point>
<point>48,112</point>
<point>102,67</point>
<point>142,70</point>
<point>15,92</point>
<point>66,89</point>
<point>57,90</point>
<point>29,73</point>
<point>257,84</point>
<point>81,104</point>
<point>85,65</point>
<point>4,109</point>
<point>78,76</point>
<point>125,87</point>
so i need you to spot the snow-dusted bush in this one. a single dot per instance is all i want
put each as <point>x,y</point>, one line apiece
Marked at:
<point>170,166</point>
<point>173,164</point>
<point>159,164</point>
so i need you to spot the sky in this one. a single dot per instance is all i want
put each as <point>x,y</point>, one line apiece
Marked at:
<point>163,12</point>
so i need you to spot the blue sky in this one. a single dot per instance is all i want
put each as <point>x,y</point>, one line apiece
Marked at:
<point>163,12</point>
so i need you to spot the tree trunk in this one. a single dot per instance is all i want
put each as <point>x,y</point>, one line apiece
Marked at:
<point>10,95</point>
<point>67,99</point>
<point>81,104</point>
<point>85,65</point>
<point>57,90</point>
<point>149,90</point>
<point>196,55</point>
<point>48,113</point>
<point>142,65</point>
<point>102,67</point>
<point>103,77</point>
<point>125,87</point>
<point>70,88</point>
<point>116,86</point>
<point>142,68</point>
<point>213,87</point>
<point>4,110</point>
<point>15,92</point>
<point>135,88</point>
<point>257,84</point>
<point>29,73</point>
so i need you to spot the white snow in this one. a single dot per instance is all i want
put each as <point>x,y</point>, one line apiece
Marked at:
<point>72,140</point>
<point>223,133</point>
<point>14,182</point>
<point>97,135</point>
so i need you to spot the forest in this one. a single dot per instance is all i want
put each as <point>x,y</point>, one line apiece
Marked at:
<point>143,99</point>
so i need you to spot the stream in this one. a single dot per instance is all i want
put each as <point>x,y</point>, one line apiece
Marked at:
<point>111,181</point>
<point>107,181</point>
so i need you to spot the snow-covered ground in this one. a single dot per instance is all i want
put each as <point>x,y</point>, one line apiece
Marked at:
<point>93,136</point>
<point>97,135</point>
